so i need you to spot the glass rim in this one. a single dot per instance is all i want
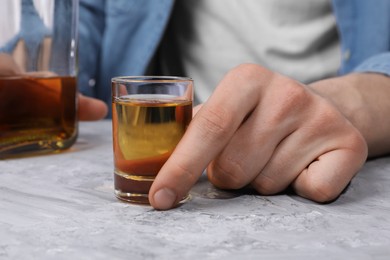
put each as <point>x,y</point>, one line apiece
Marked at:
<point>151,79</point>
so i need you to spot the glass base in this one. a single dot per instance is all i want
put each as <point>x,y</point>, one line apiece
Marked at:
<point>141,198</point>
<point>134,188</point>
<point>24,146</point>
<point>137,198</point>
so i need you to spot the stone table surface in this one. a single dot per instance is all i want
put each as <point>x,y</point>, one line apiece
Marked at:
<point>62,206</point>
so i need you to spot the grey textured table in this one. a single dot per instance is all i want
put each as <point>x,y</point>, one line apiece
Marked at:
<point>62,206</point>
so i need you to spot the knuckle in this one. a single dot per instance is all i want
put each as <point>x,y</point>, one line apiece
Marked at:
<point>326,115</point>
<point>295,95</point>
<point>329,120</point>
<point>216,124</point>
<point>227,175</point>
<point>265,185</point>
<point>295,92</point>
<point>251,73</point>
<point>293,99</point>
<point>248,69</point>
<point>320,192</point>
<point>358,144</point>
<point>325,120</point>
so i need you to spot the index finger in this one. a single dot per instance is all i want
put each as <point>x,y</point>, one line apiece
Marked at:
<point>207,135</point>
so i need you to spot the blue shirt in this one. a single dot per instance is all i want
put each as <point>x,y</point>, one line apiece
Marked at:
<point>120,38</point>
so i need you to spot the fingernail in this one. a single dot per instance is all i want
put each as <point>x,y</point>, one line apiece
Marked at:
<point>164,198</point>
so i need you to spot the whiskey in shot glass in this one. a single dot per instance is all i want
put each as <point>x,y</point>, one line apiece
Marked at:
<point>150,115</point>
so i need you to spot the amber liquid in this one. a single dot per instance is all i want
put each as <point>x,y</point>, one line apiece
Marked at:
<point>37,115</point>
<point>146,130</point>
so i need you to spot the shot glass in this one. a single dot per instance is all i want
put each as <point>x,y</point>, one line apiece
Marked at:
<point>38,67</point>
<point>149,117</point>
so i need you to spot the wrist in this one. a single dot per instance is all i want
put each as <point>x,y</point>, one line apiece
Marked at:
<point>345,96</point>
<point>363,98</point>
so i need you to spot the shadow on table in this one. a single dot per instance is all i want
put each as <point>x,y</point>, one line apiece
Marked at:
<point>204,189</point>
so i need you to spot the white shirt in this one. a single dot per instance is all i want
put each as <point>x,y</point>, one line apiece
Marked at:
<point>297,38</point>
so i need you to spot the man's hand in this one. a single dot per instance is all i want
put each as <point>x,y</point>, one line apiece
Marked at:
<point>91,109</point>
<point>266,130</point>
